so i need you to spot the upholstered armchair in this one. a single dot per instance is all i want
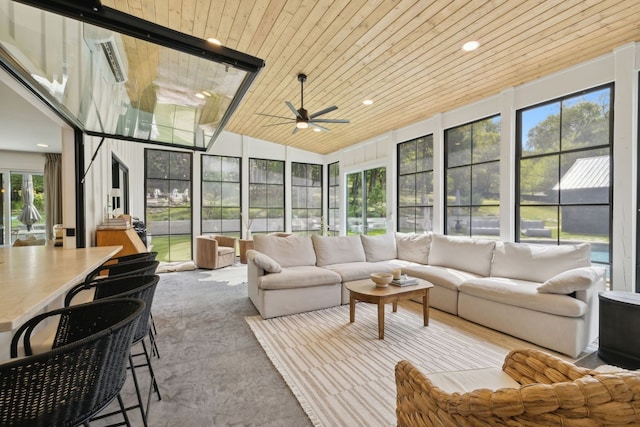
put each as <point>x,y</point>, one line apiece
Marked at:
<point>546,391</point>
<point>215,251</point>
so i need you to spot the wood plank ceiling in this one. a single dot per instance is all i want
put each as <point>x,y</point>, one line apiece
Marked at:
<point>405,54</point>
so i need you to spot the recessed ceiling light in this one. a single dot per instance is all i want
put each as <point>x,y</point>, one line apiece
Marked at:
<point>215,41</point>
<point>470,46</point>
<point>199,95</point>
<point>205,93</point>
<point>43,145</point>
<point>317,130</point>
<point>367,101</point>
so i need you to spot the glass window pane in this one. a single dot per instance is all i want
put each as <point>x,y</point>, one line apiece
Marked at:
<point>540,129</point>
<point>585,120</point>
<point>424,153</point>
<point>211,168</point>
<point>539,223</point>
<point>458,221</point>
<point>486,140</point>
<point>590,223</point>
<point>486,184</point>
<point>407,157</point>
<point>275,196</point>
<point>538,179</point>
<point>407,190</point>
<point>459,186</point>
<point>458,142</point>
<point>230,194</point>
<point>180,166</point>
<point>157,163</point>
<point>211,193</point>
<point>585,177</point>
<point>485,222</point>
<point>230,169</point>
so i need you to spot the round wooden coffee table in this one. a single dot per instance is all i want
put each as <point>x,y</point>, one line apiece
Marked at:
<point>367,291</point>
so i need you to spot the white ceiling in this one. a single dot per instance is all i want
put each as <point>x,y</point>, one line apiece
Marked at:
<point>22,124</point>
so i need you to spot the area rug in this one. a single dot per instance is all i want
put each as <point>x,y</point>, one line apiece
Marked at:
<point>343,375</point>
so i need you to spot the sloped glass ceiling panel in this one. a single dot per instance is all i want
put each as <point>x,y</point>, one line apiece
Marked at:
<point>168,88</point>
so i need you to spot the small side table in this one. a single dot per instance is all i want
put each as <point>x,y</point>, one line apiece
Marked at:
<point>245,245</point>
<point>619,342</point>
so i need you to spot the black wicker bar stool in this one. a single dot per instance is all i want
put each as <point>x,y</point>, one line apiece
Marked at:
<point>142,287</point>
<point>83,372</point>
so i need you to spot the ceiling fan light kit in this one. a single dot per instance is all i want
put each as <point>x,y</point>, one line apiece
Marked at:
<point>303,119</point>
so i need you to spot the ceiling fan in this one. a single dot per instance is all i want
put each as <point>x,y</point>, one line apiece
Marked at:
<point>302,118</point>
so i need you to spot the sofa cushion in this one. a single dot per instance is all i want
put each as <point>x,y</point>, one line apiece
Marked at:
<point>537,263</point>
<point>576,279</point>
<point>379,248</point>
<point>466,381</point>
<point>522,293</point>
<point>414,247</point>
<point>462,253</point>
<point>289,251</point>
<point>298,277</point>
<point>359,270</point>
<point>264,261</point>
<point>448,278</point>
<point>337,249</point>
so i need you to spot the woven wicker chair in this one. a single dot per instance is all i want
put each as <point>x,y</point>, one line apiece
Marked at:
<point>552,393</point>
<point>80,376</point>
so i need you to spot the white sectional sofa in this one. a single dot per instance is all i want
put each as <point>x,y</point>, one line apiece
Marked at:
<point>545,294</point>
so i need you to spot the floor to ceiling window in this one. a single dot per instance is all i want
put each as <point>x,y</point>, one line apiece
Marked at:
<point>415,185</point>
<point>333,222</point>
<point>367,202</point>
<point>22,206</point>
<point>472,184</point>
<point>563,170</point>
<point>266,196</point>
<point>306,198</point>
<point>168,204</point>
<point>221,195</point>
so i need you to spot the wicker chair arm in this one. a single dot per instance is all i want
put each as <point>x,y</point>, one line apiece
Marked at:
<point>530,366</point>
<point>78,289</point>
<point>26,329</point>
<point>602,399</point>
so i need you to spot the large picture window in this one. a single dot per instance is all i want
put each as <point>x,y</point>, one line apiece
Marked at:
<point>306,198</point>
<point>266,196</point>
<point>415,185</point>
<point>333,223</point>
<point>473,178</point>
<point>564,152</point>
<point>221,195</point>
<point>168,204</point>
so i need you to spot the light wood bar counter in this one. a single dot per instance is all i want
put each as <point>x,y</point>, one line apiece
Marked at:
<point>32,277</point>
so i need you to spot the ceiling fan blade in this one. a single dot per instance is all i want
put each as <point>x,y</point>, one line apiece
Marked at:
<point>295,129</point>
<point>276,124</point>
<point>331,121</point>
<point>278,117</point>
<point>322,128</point>
<point>325,111</point>
<point>293,109</point>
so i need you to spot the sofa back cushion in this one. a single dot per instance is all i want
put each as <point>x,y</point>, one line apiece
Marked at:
<point>289,251</point>
<point>462,253</point>
<point>414,247</point>
<point>337,249</point>
<point>538,263</point>
<point>379,248</point>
